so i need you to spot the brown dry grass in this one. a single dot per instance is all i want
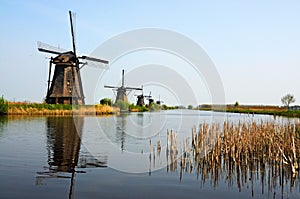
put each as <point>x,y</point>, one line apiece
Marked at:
<point>243,152</point>
<point>81,110</point>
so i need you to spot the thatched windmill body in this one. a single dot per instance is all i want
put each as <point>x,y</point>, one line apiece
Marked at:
<point>122,91</point>
<point>66,85</point>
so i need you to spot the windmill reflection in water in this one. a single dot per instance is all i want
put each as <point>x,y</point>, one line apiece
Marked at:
<point>65,155</point>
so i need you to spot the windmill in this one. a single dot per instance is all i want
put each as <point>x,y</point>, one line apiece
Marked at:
<point>149,98</point>
<point>159,102</point>
<point>141,99</point>
<point>66,86</point>
<point>122,91</point>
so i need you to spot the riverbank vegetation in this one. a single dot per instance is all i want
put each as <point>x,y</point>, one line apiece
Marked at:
<point>23,108</point>
<point>252,109</point>
<point>27,108</point>
<point>125,106</point>
<point>3,106</point>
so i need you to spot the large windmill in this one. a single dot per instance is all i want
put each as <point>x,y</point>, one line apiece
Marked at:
<point>66,85</point>
<point>122,91</point>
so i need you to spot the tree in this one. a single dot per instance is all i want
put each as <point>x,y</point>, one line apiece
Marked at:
<point>190,106</point>
<point>236,104</point>
<point>106,101</point>
<point>287,100</point>
<point>122,105</point>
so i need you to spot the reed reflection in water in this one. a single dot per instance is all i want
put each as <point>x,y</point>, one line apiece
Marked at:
<point>244,154</point>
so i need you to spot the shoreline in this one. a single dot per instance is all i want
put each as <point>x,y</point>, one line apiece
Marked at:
<point>59,110</point>
<point>41,109</point>
<point>259,110</point>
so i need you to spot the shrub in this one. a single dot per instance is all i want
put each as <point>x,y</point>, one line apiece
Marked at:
<point>122,105</point>
<point>138,108</point>
<point>106,101</point>
<point>3,106</point>
<point>155,107</point>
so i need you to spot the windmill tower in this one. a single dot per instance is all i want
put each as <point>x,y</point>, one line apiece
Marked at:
<point>141,98</point>
<point>122,91</point>
<point>66,85</point>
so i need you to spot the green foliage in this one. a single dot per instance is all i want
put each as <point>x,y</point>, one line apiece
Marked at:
<point>138,108</point>
<point>122,105</point>
<point>3,106</point>
<point>236,104</point>
<point>42,106</point>
<point>155,107</point>
<point>190,106</point>
<point>164,107</point>
<point>285,113</point>
<point>106,101</point>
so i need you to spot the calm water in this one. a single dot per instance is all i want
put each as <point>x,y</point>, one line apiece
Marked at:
<point>116,157</point>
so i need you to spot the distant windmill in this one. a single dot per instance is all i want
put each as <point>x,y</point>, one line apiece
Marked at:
<point>122,91</point>
<point>159,102</point>
<point>150,100</point>
<point>66,85</point>
<point>141,99</point>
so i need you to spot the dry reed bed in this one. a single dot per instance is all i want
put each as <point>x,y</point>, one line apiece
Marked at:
<point>84,110</point>
<point>268,151</point>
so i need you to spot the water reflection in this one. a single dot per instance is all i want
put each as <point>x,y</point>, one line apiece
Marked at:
<point>63,142</point>
<point>120,129</point>
<point>246,155</point>
<point>64,150</point>
<point>170,150</point>
<point>3,122</point>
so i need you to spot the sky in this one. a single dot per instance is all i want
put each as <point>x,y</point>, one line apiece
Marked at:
<point>254,45</point>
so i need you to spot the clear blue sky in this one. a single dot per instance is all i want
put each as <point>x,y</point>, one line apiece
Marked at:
<point>255,44</point>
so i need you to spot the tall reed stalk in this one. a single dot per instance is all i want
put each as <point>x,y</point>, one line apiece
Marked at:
<point>242,152</point>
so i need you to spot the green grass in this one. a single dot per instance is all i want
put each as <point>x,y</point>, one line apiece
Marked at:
<point>136,108</point>
<point>3,106</point>
<point>285,113</point>
<point>41,106</point>
<point>155,107</point>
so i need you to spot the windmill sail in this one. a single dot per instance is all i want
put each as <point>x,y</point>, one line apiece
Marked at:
<point>66,85</point>
<point>43,47</point>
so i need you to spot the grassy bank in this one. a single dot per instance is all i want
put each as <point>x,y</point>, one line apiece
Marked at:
<point>285,113</point>
<point>22,108</point>
<point>58,109</point>
<point>266,110</point>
